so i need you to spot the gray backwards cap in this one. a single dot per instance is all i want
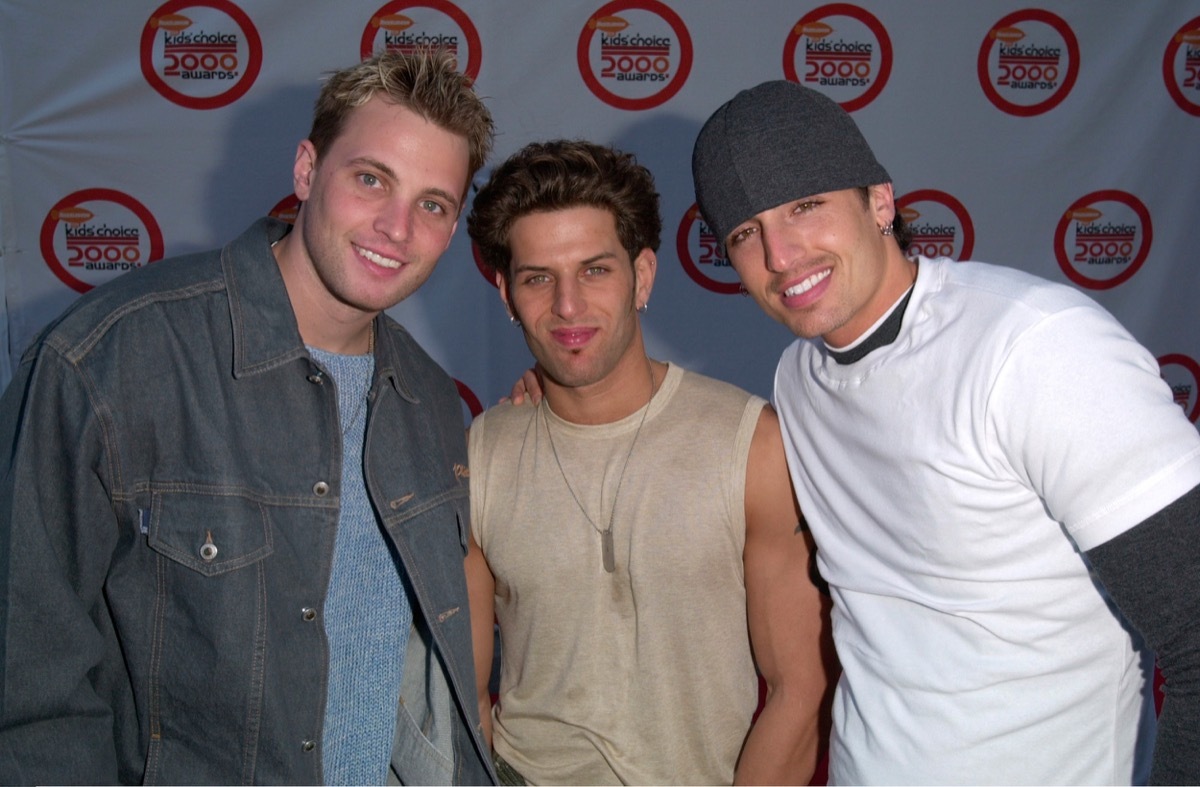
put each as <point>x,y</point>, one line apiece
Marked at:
<point>774,143</point>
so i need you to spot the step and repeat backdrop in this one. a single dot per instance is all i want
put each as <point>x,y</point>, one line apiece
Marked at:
<point>1056,137</point>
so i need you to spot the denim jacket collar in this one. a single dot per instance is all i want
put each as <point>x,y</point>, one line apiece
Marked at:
<point>388,352</point>
<point>265,333</point>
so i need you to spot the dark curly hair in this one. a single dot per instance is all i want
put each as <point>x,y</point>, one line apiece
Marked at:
<point>558,174</point>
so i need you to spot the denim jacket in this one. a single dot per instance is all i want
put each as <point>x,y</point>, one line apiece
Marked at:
<point>168,498</point>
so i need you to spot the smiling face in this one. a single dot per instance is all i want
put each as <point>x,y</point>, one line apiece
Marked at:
<point>575,291</point>
<point>379,208</point>
<point>820,265</point>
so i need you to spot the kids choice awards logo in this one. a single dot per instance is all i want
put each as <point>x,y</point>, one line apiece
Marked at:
<point>200,54</point>
<point>1181,67</point>
<point>425,24</point>
<point>700,255</point>
<point>1028,62</point>
<point>94,235</point>
<point>941,226</point>
<point>841,50</point>
<point>634,54</point>
<point>1182,374</point>
<point>1103,239</point>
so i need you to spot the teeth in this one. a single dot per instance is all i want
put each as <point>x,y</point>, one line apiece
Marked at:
<point>385,262</point>
<point>807,284</point>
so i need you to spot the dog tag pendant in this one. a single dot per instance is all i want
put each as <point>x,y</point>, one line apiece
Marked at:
<point>606,548</point>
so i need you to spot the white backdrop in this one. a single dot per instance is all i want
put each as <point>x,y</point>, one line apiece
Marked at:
<point>1060,139</point>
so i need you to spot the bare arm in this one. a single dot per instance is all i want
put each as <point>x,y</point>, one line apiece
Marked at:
<point>481,588</point>
<point>789,621</point>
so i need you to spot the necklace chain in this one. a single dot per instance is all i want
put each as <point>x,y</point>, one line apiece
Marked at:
<point>606,535</point>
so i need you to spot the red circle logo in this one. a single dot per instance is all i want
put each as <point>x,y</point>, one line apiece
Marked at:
<point>634,54</point>
<point>91,234</point>
<point>847,54</point>
<point>200,54</point>
<point>1182,374</point>
<point>700,255</point>
<point>473,405</point>
<point>436,24</point>
<point>485,270</point>
<point>1181,67</point>
<point>940,224</point>
<point>1103,238</point>
<point>286,209</point>
<point>1021,62</point>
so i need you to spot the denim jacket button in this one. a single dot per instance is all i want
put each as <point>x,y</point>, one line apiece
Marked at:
<point>208,550</point>
<point>309,614</point>
<point>320,489</point>
<point>316,378</point>
<point>308,745</point>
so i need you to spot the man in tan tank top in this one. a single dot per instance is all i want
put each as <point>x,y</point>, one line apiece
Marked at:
<point>635,533</point>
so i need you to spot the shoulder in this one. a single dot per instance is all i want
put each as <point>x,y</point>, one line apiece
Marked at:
<point>161,288</point>
<point>732,418</point>
<point>794,351</point>
<point>415,368</point>
<point>90,318</point>
<point>709,392</point>
<point>500,428</point>
<point>1002,307</point>
<point>999,287</point>
<point>505,417</point>
<point>409,349</point>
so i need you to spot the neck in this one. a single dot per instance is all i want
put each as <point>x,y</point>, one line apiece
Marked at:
<point>345,330</point>
<point>899,274</point>
<point>611,399</point>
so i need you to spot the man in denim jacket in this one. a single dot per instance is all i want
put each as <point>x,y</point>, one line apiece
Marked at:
<point>234,503</point>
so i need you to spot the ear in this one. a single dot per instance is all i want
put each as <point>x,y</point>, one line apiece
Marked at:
<point>502,286</point>
<point>883,203</point>
<point>450,237</point>
<point>303,169</point>
<point>644,268</point>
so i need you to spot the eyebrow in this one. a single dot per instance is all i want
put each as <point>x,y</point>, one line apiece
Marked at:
<point>391,173</point>
<point>523,267</point>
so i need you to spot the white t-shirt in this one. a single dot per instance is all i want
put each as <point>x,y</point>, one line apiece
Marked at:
<point>951,479</point>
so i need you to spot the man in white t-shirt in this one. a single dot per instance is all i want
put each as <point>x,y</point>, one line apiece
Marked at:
<point>997,546</point>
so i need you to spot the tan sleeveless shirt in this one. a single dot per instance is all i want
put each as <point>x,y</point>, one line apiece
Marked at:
<point>643,675</point>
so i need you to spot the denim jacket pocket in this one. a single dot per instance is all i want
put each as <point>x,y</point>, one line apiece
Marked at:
<point>209,638</point>
<point>209,533</point>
